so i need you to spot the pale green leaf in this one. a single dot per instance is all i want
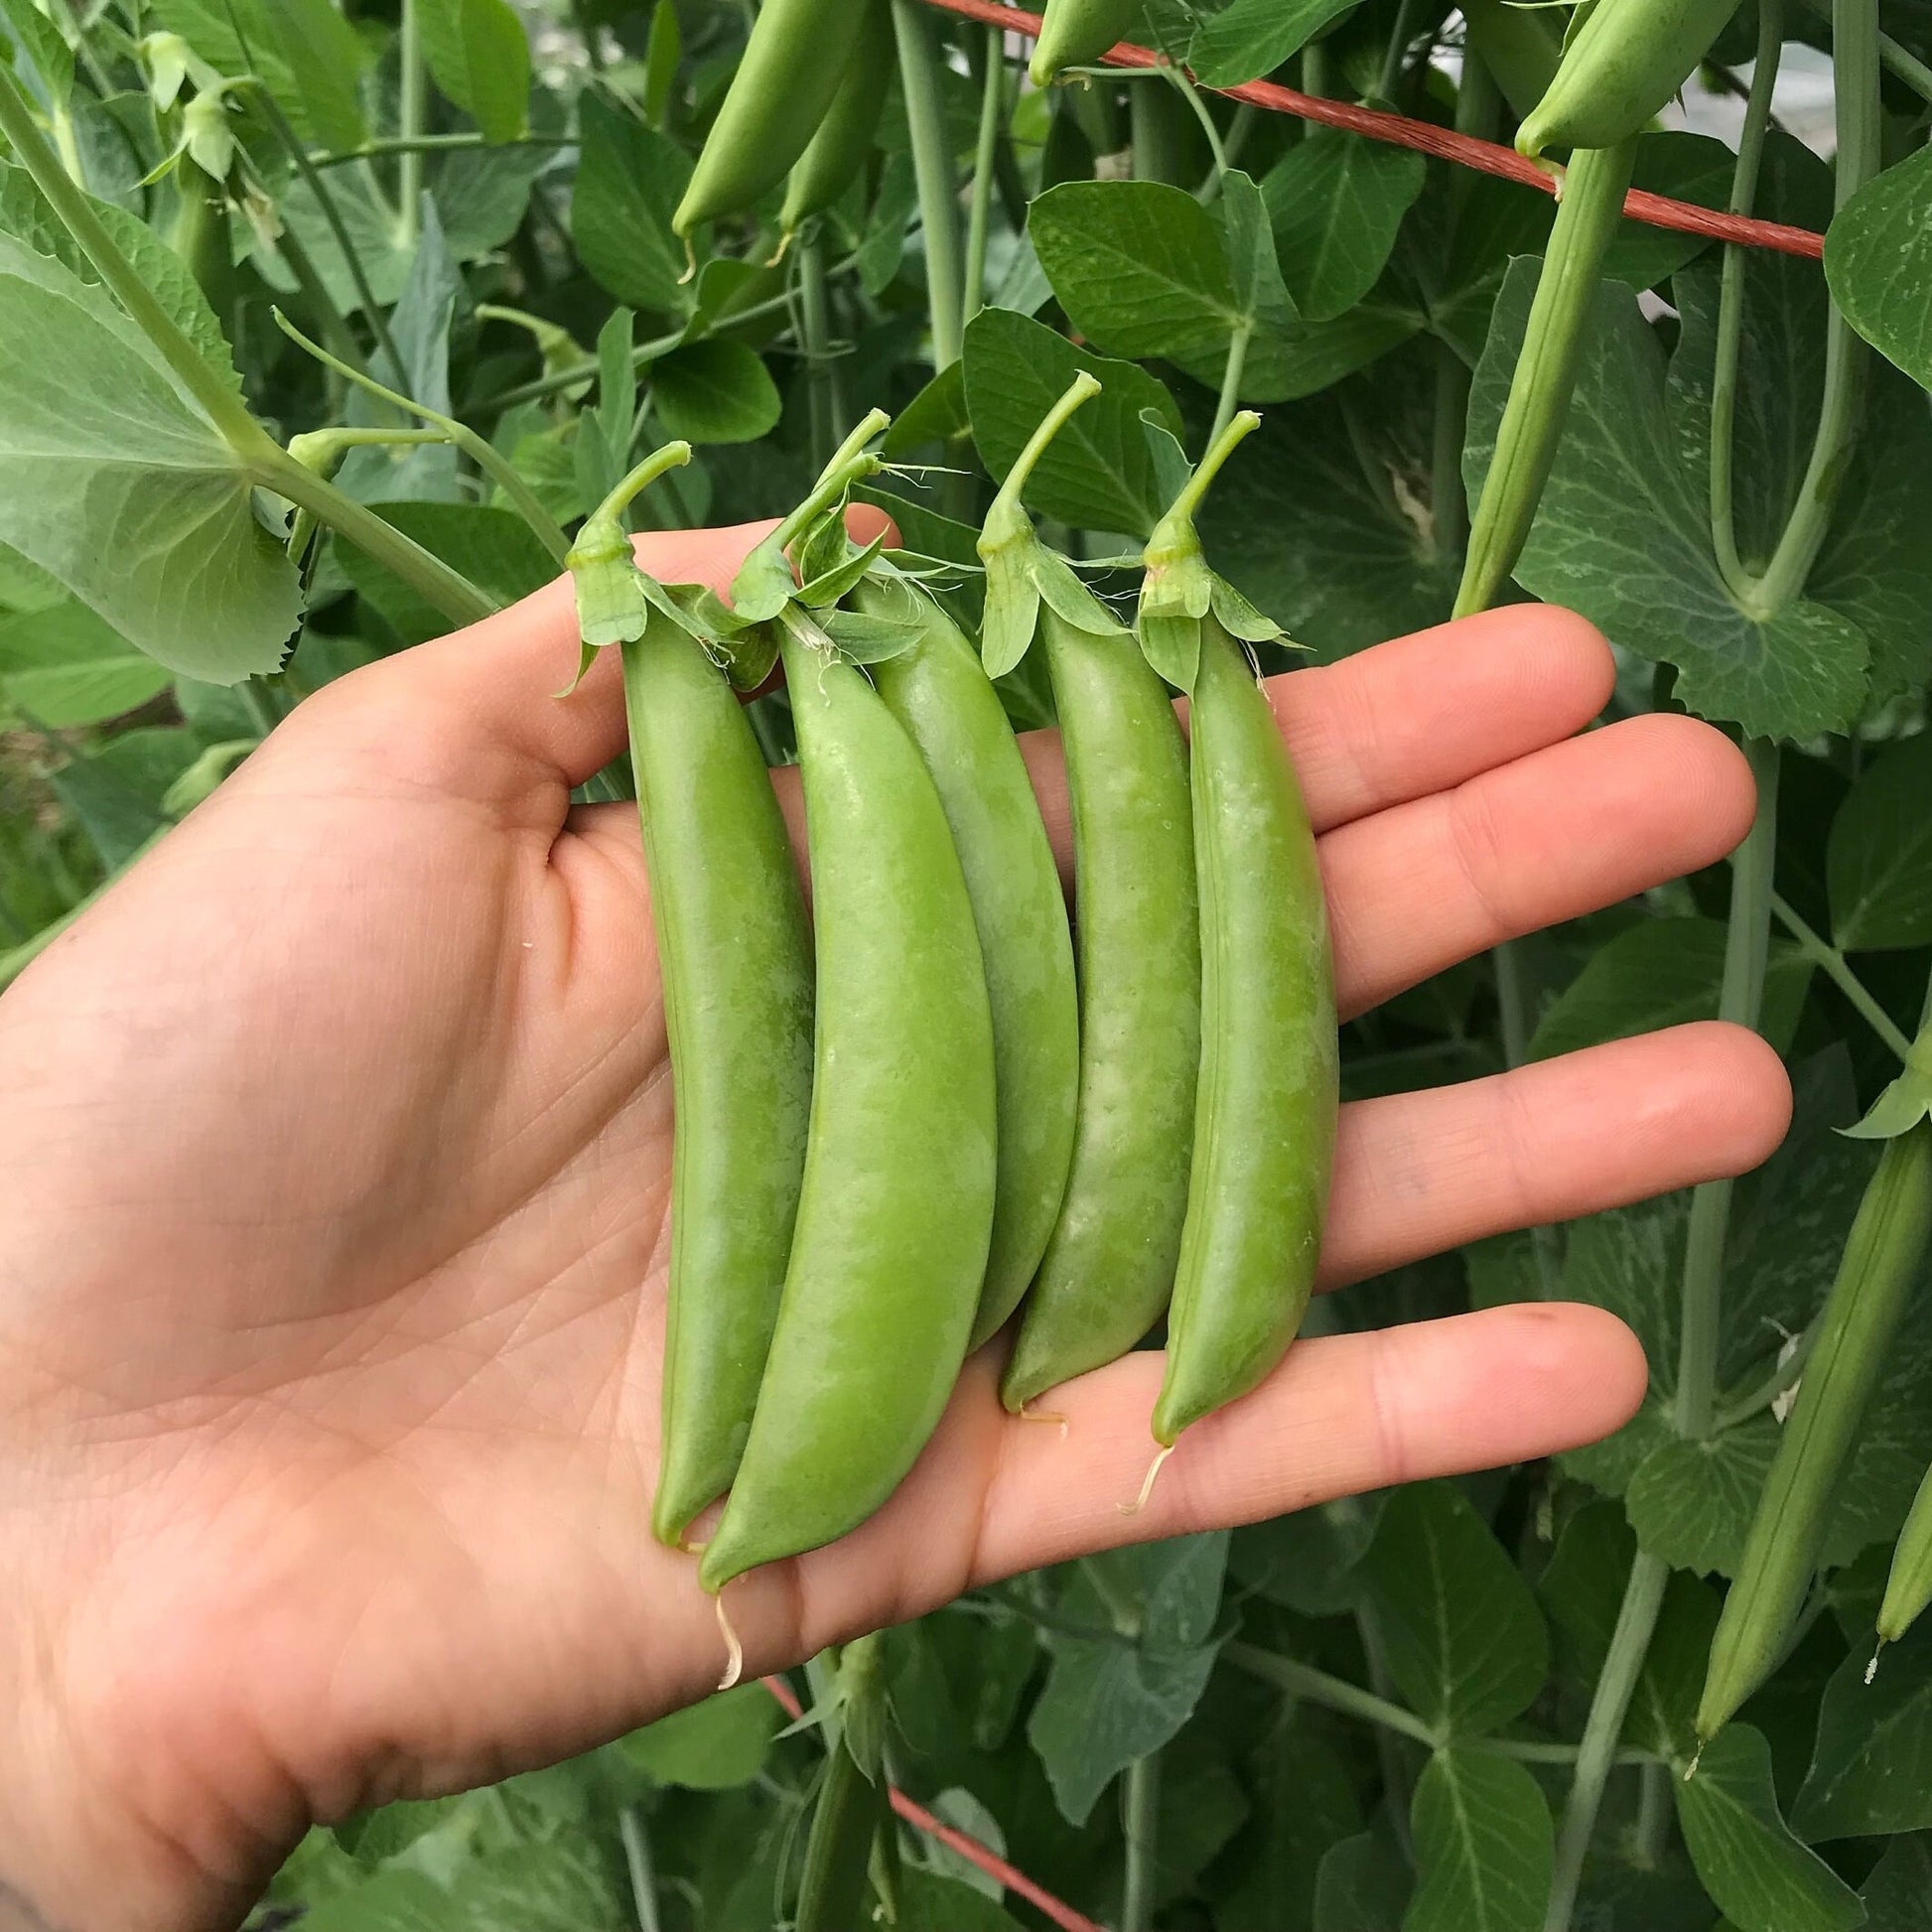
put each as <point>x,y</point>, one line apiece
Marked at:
<point>628,181</point>
<point>1485,1846</point>
<point>479,56</point>
<point>1337,205</point>
<point>327,59</point>
<point>65,666</point>
<point>710,1746</point>
<point>1878,262</point>
<point>1251,37</point>
<point>714,391</point>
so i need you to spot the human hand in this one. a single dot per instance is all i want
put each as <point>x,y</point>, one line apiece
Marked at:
<point>330,1298</point>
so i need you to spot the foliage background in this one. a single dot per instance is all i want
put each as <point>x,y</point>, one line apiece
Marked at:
<point>1365,1718</point>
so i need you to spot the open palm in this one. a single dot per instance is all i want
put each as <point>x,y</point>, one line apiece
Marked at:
<point>332,1271</point>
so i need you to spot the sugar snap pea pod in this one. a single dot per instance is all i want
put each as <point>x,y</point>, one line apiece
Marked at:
<point>1628,58</point>
<point>1521,48</point>
<point>852,1807</point>
<point>890,1246</point>
<point>1875,1278</point>
<point>735,956</point>
<point>1265,1109</point>
<point>1908,1588</point>
<point>1109,1267</point>
<point>798,53</point>
<point>942,696</point>
<point>1073,33</point>
<point>1545,372</point>
<point>839,149</point>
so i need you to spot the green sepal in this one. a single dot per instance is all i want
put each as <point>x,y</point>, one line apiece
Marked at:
<point>1068,597</point>
<point>609,586</point>
<point>829,586</point>
<point>747,656</point>
<point>1901,1108</point>
<point>1240,618</point>
<point>1170,643</point>
<point>824,546</point>
<point>1011,612</point>
<point>764,584</point>
<point>864,639</point>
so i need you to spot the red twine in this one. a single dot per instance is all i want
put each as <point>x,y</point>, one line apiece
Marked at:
<point>1487,157</point>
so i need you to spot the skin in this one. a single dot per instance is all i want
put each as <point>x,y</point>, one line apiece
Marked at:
<point>1265,1116</point>
<point>331,1260</point>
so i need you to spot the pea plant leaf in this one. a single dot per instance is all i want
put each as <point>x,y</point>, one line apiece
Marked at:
<point>1335,204</point>
<point>1251,37</point>
<point>1691,1503</point>
<point>1485,1846</point>
<point>1760,1876</point>
<point>1621,534</point>
<point>479,56</point>
<point>62,667</point>
<point>1467,1645</point>
<point>1109,1698</point>
<point>1362,1886</point>
<point>1898,1894</point>
<point>40,55</point>
<point>714,391</point>
<point>325,60</point>
<point>715,1745</point>
<point>1879,263</point>
<point>113,482</point>
<point>493,548</point>
<point>1871,1765</point>
<point>628,181</point>
<point>1878,862</point>
<point>1098,473</point>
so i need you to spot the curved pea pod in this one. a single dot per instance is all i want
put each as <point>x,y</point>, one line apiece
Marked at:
<point>1265,1115</point>
<point>1109,1268</point>
<point>798,53</point>
<point>1074,33</point>
<point>1626,62</point>
<point>890,1246</point>
<point>1908,1588</point>
<point>1869,1298</point>
<point>1521,48</point>
<point>942,696</point>
<point>735,953</point>
<point>839,149</point>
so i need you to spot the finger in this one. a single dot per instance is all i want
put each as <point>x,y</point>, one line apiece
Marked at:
<point>1426,712</point>
<point>485,718</point>
<point>1563,831</point>
<point>1417,1173</point>
<point>995,1494</point>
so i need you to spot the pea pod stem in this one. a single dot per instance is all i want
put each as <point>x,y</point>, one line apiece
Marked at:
<point>1082,388</point>
<point>489,460</point>
<point>1587,214</point>
<point>848,466</point>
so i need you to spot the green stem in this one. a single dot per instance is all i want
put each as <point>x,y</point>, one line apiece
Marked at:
<point>1448,504</point>
<point>637,1860</point>
<point>1331,1693</point>
<point>1783,1376</point>
<point>1232,372</point>
<point>1654,1809</point>
<point>1746,944</point>
<point>1833,964</point>
<point>1731,300</point>
<point>821,370</point>
<point>396,144</point>
<point>1394,58</point>
<point>848,464</point>
<point>922,81</point>
<point>1643,1598</point>
<point>491,462</point>
<point>1081,389</point>
<point>1546,371</point>
<point>610,513</point>
<point>75,211</point>
<point>1151,143</point>
<point>1140,1820</point>
<point>334,325</point>
<point>68,146</point>
<point>411,120</point>
<point>291,145</point>
<point>1855,82</point>
<point>993,98</point>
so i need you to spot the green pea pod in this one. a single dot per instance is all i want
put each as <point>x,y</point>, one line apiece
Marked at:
<point>844,139</point>
<point>798,54</point>
<point>852,1810</point>
<point>897,1211</point>
<point>1626,62</point>
<point>939,691</point>
<point>1109,1268</point>
<point>1909,1587</point>
<point>735,952</point>
<point>1520,47</point>
<point>1075,33</point>
<point>1874,1287</point>
<point>1546,371</point>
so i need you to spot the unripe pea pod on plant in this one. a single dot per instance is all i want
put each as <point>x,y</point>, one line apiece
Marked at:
<point>1075,33</point>
<point>1268,1092</point>
<point>1908,1587</point>
<point>1109,1267</point>
<point>1621,67</point>
<point>838,150</point>
<point>798,53</point>
<point>1867,1301</point>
